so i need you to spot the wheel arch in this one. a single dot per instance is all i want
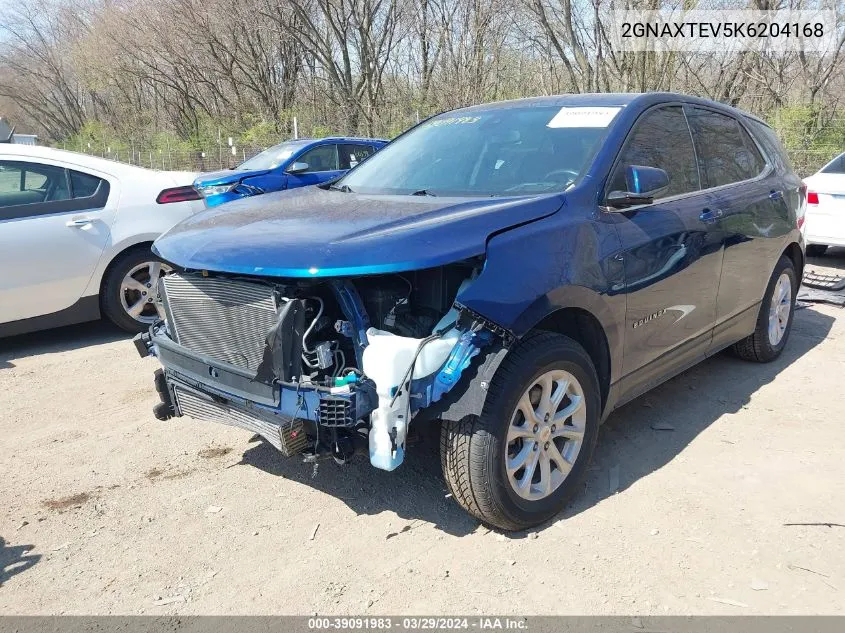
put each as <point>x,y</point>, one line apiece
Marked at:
<point>586,329</point>
<point>113,259</point>
<point>794,252</point>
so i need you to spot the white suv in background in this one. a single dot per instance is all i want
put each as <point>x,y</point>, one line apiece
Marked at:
<point>75,236</point>
<point>825,217</point>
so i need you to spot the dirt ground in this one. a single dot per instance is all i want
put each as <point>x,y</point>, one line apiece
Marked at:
<point>105,510</point>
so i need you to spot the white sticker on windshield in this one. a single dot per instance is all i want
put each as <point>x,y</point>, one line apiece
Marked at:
<point>583,117</point>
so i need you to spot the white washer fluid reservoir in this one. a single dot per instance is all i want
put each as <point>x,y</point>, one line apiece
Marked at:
<point>386,359</point>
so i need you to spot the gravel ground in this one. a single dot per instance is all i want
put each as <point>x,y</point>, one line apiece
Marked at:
<point>105,510</point>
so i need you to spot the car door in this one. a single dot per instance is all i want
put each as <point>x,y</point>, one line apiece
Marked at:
<point>54,225</point>
<point>323,165</point>
<point>748,197</point>
<point>671,255</point>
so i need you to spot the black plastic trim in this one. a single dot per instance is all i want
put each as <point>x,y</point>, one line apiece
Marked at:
<point>86,309</point>
<point>218,375</point>
<point>469,395</point>
<point>142,344</point>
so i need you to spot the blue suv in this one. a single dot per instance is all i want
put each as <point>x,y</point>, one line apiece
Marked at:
<point>512,272</point>
<point>286,166</point>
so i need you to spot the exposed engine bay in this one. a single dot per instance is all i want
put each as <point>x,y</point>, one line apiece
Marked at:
<point>315,366</point>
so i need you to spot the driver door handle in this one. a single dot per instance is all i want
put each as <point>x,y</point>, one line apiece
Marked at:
<point>79,223</point>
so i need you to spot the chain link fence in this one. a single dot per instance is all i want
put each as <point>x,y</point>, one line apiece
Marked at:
<point>211,159</point>
<point>808,149</point>
<point>807,162</point>
<point>810,145</point>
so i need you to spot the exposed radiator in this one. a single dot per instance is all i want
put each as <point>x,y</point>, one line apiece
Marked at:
<point>287,436</point>
<point>226,319</point>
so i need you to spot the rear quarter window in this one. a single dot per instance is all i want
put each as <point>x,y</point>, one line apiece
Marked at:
<point>84,185</point>
<point>767,138</point>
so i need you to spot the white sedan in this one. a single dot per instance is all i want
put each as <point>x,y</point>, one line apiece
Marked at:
<point>825,219</point>
<point>75,236</point>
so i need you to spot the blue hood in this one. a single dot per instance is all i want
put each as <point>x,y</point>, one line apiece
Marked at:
<point>313,232</point>
<point>226,176</point>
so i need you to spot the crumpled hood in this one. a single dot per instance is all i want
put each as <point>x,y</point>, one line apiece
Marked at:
<point>313,232</point>
<point>227,176</point>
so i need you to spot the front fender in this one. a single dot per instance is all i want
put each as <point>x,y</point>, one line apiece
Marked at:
<point>609,311</point>
<point>542,267</point>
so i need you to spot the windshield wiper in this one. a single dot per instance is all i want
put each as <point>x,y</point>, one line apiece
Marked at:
<point>341,188</point>
<point>424,192</point>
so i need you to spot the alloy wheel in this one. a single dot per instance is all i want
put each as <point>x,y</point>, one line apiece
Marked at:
<point>139,291</point>
<point>780,308</point>
<point>545,435</point>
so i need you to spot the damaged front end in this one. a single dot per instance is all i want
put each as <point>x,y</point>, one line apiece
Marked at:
<point>317,366</point>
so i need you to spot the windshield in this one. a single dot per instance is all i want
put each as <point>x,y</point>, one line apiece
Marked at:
<point>271,157</point>
<point>498,152</point>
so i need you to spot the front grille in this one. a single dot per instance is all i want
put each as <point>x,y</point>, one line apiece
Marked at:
<point>288,436</point>
<point>226,319</point>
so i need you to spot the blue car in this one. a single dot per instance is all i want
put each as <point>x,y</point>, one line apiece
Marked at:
<point>287,165</point>
<point>512,272</point>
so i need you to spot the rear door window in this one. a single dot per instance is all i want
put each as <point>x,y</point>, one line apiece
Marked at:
<point>661,139</point>
<point>352,154</point>
<point>726,153</point>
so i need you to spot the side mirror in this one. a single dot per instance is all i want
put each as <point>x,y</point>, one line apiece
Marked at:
<point>297,168</point>
<point>644,184</point>
<point>647,181</point>
<point>625,199</point>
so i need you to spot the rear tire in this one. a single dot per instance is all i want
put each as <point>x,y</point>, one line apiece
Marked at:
<point>816,250</point>
<point>774,323</point>
<point>480,454</point>
<point>128,278</point>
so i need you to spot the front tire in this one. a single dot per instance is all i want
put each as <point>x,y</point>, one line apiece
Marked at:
<point>131,287</point>
<point>774,322</point>
<point>519,462</point>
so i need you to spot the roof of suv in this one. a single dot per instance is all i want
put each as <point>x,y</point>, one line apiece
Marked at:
<point>342,139</point>
<point>607,99</point>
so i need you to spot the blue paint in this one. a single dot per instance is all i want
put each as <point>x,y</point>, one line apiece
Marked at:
<point>353,309</point>
<point>467,347</point>
<point>315,233</point>
<point>300,403</point>
<point>246,181</point>
<point>430,389</point>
